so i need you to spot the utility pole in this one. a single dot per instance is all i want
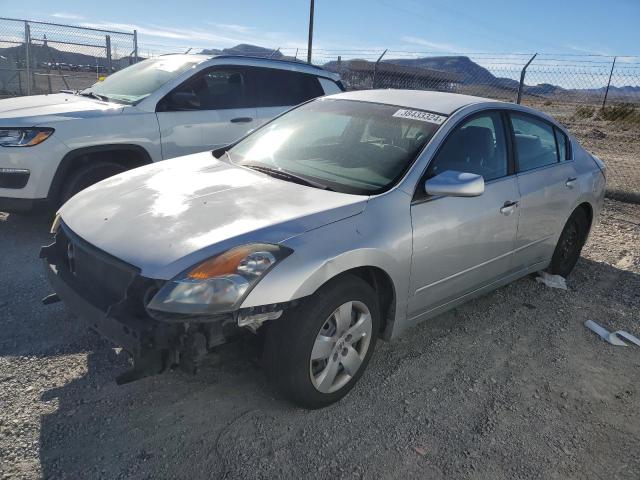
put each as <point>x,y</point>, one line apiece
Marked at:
<point>310,45</point>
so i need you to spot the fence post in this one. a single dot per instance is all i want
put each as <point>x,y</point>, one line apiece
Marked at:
<point>375,68</point>
<point>310,41</point>
<point>522,74</point>
<point>606,92</point>
<point>135,46</point>
<point>107,39</point>
<point>27,54</point>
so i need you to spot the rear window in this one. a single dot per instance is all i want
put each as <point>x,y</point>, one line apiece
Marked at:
<point>278,88</point>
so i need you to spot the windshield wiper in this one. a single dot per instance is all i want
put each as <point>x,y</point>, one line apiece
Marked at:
<point>89,93</point>
<point>274,172</point>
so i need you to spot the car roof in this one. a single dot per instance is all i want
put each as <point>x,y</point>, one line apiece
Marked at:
<point>439,102</point>
<point>292,65</point>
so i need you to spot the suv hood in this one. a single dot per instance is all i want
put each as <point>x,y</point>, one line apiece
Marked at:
<point>167,217</point>
<point>40,109</point>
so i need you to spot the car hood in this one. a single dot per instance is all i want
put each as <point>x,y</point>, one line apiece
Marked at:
<point>166,217</point>
<point>42,109</point>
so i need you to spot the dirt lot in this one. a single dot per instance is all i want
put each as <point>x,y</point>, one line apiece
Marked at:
<point>511,385</point>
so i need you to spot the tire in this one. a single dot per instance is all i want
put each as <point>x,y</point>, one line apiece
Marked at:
<point>570,244</point>
<point>87,176</point>
<point>307,328</point>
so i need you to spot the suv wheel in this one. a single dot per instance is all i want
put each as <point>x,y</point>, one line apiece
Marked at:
<point>87,176</point>
<point>570,243</point>
<point>317,352</point>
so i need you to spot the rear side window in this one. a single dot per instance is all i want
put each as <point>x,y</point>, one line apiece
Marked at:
<point>280,88</point>
<point>535,142</point>
<point>563,144</point>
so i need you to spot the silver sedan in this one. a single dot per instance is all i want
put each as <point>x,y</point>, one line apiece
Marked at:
<point>348,219</point>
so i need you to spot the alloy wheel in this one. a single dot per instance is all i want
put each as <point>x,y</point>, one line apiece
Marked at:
<point>340,347</point>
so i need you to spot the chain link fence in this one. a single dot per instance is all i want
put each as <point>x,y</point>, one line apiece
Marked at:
<point>40,57</point>
<point>596,97</point>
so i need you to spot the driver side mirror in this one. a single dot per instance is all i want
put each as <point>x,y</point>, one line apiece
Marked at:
<point>184,101</point>
<point>455,184</point>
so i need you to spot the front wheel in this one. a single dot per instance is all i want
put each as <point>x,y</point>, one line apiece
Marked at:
<point>317,352</point>
<point>87,176</point>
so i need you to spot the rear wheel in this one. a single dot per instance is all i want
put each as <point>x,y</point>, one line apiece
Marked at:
<point>570,244</point>
<point>87,176</point>
<point>319,350</point>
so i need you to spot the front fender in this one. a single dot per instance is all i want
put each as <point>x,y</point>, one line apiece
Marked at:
<point>372,239</point>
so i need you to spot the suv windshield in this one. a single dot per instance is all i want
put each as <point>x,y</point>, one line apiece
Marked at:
<point>140,80</point>
<point>344,145</point>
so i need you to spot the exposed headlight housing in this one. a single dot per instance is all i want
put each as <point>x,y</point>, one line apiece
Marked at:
<point>23,137</point>
<point>219,284</point>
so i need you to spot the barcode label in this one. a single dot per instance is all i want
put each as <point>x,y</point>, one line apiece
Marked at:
<point>420,115</point>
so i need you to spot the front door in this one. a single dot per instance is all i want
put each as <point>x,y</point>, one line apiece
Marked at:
<point>220,110</point>
<point>461,244</point>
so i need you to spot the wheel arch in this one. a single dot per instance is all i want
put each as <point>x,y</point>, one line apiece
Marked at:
<point>127,155</point>
<point>382,284</point>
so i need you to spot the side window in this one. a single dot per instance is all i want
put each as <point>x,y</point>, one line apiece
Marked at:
<point>535,142</point>
<point>563,142</point>
<point>283,88</point>
<point>477,146</point>
<point>216,89</point>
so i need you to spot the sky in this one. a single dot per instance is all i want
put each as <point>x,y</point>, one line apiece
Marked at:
<point>437,26</point>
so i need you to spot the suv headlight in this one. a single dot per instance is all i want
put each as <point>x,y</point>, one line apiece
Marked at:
<point>23,137</point>
<point>219,284</point>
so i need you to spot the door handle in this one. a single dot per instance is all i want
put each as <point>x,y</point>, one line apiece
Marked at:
<point>571,181</point>
<point>508,208</point>
<point>241,120</point>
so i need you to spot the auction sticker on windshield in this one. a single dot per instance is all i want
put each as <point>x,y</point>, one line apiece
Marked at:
<point>420,115</point>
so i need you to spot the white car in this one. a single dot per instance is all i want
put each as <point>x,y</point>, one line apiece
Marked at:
<point>53,146</point>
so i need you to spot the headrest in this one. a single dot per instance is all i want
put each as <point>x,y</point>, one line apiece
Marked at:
<point>382,129</point>
<point>478,142</point>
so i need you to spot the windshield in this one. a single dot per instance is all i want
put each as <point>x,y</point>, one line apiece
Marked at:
<point>344,145</point>
<point>140,80</point>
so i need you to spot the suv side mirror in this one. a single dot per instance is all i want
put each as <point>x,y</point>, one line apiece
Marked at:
<point>184,101</point>
<point>455,184</point>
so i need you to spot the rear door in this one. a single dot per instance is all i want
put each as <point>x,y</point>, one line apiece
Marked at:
<point>219,109</point>
<point>546,179</point>
<point>461,244</point>
<point>279,90</point>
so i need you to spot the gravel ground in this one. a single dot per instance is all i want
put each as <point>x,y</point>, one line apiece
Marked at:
<point>511,385</point>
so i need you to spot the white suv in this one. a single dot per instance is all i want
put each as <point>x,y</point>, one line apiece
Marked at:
<point>53,146</point>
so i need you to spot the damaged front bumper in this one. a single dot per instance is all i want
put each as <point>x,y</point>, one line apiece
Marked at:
<point>109,296</point>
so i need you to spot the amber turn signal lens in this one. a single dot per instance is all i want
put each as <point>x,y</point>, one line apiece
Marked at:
<point>39,138</point>
<point>224,264</point>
